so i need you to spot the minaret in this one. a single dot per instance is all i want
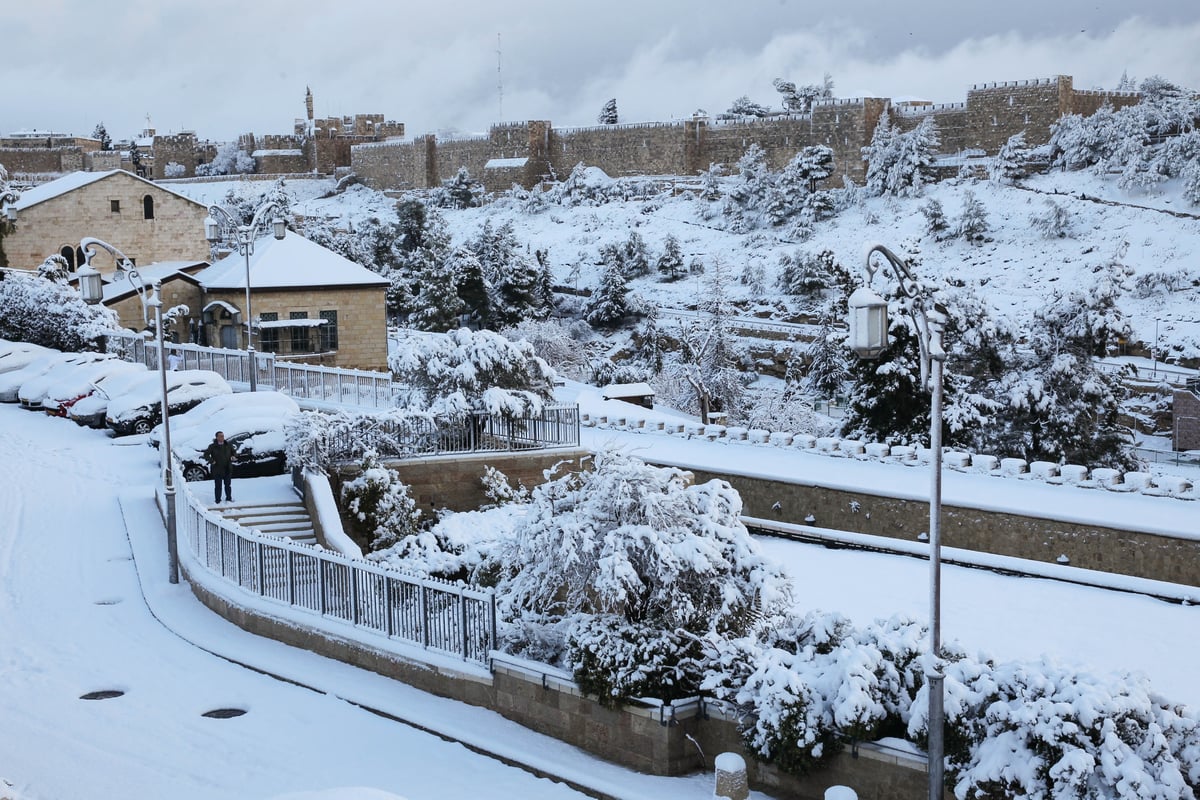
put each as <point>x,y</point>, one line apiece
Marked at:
<point>308,106</point>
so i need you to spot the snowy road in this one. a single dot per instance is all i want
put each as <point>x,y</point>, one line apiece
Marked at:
<point>74,621</point>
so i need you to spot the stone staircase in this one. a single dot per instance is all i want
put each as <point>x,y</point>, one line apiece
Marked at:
<point>284,518</point>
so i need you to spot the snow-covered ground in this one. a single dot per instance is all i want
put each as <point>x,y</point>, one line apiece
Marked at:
<point>85,607</point>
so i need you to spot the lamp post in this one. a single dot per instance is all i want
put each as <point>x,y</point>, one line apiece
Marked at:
<point>8,196</point>
<point>92,288</point>
<point>243,237</point>
<point>869,338</point>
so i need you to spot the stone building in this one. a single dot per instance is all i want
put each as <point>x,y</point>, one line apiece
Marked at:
<point>145,221</point>
<point>308,303</point>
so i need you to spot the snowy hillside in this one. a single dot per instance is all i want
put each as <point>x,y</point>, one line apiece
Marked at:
<point>1017,267</point>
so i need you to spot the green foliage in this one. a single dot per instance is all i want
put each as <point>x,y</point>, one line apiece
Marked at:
<point>615,660</point>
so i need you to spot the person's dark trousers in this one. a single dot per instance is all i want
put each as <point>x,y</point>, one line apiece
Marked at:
<point>218,481</point>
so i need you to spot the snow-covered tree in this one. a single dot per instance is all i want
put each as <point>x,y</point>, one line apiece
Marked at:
<point>635,564</point>
<point>806,275</point>
<point>828,365</point>
<point>463,371</point>
<point>378,504</point>
<point>636,256</point>
<point>745,107</point>
<point>1053,221</point>
<point>100,134</point>
<point>1011,162</point>
<point>936,224</point>
<point>608,114</point>
<point>900,164</point>
<point>53,314</point>
<point>230,159</point>
<point>608,306</point>
<point>174,169</point>
<point>135,159</point>
<point>972,222</point>
<point>800,100</point>
<point>437,306</point>
<point>461,191</point>
<point>670,263</point>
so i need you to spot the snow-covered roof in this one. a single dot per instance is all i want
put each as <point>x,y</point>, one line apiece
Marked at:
<point>505,163</point>
<point>289,152</point>
<point>289,263</point>
<point>617,390</point>
<point>117,285</point>
<point>221,304</point>
<point>69,183</point>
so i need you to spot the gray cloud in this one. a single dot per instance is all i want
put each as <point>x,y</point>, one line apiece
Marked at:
<point>222,67</point>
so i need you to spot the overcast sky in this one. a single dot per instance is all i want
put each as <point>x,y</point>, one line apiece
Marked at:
<point>223,67</point>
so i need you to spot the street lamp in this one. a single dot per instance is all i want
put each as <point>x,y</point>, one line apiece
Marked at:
<point>8,196</point>
<point>869,338</point>
<point>91,286</point>
<point>243,236</point>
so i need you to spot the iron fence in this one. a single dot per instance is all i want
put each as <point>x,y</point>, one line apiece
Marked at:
<point>479,432</point>
<point>435,615</point>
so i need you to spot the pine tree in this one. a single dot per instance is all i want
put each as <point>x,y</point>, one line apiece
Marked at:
<point>887,402</point>
<point>1010,163</point>
<point>637,258</point>
<point>828,366</point>
<point>608,114</point>
<point>437,305</point>
<point>670,263</point>
<point>100,133</point>
<point>609,304</point>
<point>135,159</point>
<point>936,224</point>
<point>973,224</point>
<point>462,191</point>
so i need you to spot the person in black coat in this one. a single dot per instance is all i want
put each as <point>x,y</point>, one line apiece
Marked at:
<point>219,456</point>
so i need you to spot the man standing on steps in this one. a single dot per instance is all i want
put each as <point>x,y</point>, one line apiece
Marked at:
<point>219,456</point>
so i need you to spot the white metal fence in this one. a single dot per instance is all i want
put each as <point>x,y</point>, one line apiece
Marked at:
<point>435,615</point>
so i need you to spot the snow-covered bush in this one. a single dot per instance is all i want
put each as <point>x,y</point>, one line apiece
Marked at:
<point>806,684</point>
<point>972,223</point>
<point>936,224</point>
<point>379,504</point>
<point>900,164</point>
<point>1044,732</point>
<point>41,311</point>
<point>174,169</point>
<point>499,491</point>
<point>319,440</point>
<point>462,371</point>
<point>646,551</point>
<point>1053,221</point>
<point>1011,162</point>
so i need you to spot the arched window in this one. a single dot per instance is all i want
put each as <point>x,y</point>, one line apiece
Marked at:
<point>148,207</point>
<point>68,254</point>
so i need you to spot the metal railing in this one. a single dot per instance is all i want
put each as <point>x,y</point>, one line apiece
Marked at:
<point>556,426</point>
<point>479,432</point>
<point>435,615</point>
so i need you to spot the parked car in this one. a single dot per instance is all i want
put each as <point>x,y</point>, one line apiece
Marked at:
<point>140,409</point>
<point>82,383</point>
<point>91,410</point>
<point>11,382</point>
<point>34,390</point>
<point>15,355</point>
<point>256,433</point>
<point>223,409</point>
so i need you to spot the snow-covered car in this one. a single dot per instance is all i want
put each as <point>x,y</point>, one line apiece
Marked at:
<point>11,382</point>
<point>140,409</point>
<point>210,415</point>
<point>34,390</point>
<point>15,355</point>
<point>90,410</point>
<point>82,383</point>
<point>259,445</point>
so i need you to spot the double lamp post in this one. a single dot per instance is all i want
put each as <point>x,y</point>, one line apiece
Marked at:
<point>220,226</point>
<point>91,286</point>
<point>868,339</point>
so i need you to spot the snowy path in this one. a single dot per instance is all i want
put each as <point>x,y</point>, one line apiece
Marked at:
<point>74,621</point>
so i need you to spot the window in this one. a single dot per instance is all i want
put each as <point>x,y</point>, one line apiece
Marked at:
<point>329,331</point>
<point>148,207</point>
<point>114,206</point>
<point>68,254</point>
<point>268,338</point>
<point>300,334</point>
